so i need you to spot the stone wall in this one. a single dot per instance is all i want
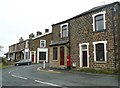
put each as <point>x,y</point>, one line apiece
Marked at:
<point>81,31</point>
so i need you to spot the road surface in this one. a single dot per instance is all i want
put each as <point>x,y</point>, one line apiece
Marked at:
<point>31,75</point>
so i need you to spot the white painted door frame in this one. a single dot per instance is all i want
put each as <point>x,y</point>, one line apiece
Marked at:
<point>42,50</point>
<point>80,54</point>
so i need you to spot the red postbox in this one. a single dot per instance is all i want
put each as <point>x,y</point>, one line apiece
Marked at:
<point>68,62</point>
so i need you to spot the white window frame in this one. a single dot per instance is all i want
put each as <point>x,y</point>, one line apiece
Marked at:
<point>42,50</point>
<point>94,15</point>
<point>62,29</point>
<point>105,50</point>
<point>44,43</point>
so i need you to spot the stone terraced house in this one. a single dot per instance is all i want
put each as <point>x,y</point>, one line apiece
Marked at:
<point>16,51</point>
<point>90,38</point>
<point>39,46</point>
<point>59,47</point>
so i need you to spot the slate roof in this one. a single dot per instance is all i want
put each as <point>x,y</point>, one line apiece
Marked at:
<point>61,42</point>
<point>89,11</point>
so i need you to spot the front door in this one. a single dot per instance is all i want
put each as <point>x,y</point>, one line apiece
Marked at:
<point>33,57</point>
<point>61,55</point>
<point>84,58</point>
<point>84,55</point>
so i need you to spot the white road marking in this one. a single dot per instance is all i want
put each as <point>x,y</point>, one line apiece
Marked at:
<point>19,77</point>
<point>47,83</point>
<point>11,71</point>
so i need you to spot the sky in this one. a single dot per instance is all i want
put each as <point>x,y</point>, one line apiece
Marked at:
<point>19,18</point>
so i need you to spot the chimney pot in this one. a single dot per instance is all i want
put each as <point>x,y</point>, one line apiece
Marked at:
<point>46,30</point>
<point>21,39</point>
<point>31,36</point>
<point>39,33</point>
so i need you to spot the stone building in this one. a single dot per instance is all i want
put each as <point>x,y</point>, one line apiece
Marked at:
<point>16,51</point>
<point>91,38</point>
<point>59,47</point>
<point>39,46</point>
<point>94,37</point>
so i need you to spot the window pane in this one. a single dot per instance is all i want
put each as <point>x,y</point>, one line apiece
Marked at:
<point>99,17</point>
<point>55,53</point>
<point>99,23</point>
<point>42,55</point>
<point>84,46</point>
<point>100,52</point>
<point>64,31</point>
<point>42,43</point>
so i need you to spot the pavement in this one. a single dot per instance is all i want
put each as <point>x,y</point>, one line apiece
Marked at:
<point>58,70</point>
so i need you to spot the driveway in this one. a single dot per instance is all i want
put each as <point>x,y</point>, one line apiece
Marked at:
<point>32,76</point>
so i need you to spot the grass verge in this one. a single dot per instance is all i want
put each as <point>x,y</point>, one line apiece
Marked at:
<point>97,70</point>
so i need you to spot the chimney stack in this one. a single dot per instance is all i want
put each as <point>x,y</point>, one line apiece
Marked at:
<point>21,39</point>
<point>39,33</point>
<point>46,30</point>
<point>31,36</point>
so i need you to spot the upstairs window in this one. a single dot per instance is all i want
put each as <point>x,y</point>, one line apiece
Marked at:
<point>42,43</point>
<point>99,21</point>
<point>64,30</point>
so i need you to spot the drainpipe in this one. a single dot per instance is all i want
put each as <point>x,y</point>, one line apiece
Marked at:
<point>113,27</point>
<point>69,45</point>
<point>68,57</point>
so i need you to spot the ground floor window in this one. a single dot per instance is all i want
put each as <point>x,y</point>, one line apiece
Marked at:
<point>55,53</point>
<point>42,55</point>
<point>100,51</point>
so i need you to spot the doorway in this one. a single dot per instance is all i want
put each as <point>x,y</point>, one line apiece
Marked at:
<point>62,55</point>
<point>84,55</point>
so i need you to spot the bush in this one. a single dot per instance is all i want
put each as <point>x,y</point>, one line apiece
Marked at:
<point>4,61</point>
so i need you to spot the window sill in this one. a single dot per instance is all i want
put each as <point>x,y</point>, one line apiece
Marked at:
<point>99,31</point>
<point>55,60</point>
<point>64,37</point>
<point>100,62</point>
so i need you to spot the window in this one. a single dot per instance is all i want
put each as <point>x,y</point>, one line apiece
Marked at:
<point>100,51</point>
<point>42,55</point>
<point>55,53</point>
<point>42,43</point>
<point>64,30</point>
<point>99,21</point>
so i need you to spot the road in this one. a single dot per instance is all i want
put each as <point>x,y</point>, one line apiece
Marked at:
<point>31,75</point>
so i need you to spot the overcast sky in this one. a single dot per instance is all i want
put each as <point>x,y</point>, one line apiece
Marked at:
<point>19,18</point>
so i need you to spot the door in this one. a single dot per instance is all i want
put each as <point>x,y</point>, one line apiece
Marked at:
<point>84,58</point>
<point>61,55</point>
<point>33,57</point>
<point>42,56</point>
